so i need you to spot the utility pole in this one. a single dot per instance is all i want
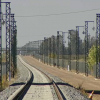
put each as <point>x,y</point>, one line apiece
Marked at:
<point>0,44</point>
<point>77,48</point>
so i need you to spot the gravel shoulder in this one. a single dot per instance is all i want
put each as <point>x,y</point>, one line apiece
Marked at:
<point>22,78</point>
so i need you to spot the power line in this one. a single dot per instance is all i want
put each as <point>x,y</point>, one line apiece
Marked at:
<point>33,35</point>
<point>60,13</point>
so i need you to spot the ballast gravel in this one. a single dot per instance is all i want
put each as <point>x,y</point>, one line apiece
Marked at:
<point>40,89</point>
<point>23,76</point>
<point>68,92</point>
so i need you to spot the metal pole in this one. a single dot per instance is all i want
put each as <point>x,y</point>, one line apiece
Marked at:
<point>8,39</point>
<point>0,45</point>
<point>57,48</point>
<point>98,45</point>
<point>47,50</point>
<point>86,47</point>
<point>53,50</point>
<point>38,50</point>
<point>44,48</point>
<point>12,41</point>
<point>15,47</point>
<point>42,51</point>
<point>69,48</point>
<point>63,48</point>
<point>50,51</point>
<point>77,48</point>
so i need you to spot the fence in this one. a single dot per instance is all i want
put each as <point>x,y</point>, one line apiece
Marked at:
<point>68,49</point>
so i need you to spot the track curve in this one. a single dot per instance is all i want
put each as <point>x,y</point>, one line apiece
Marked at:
<point>40,87</point>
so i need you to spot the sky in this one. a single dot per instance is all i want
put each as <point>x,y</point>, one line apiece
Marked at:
<point>33,27</point>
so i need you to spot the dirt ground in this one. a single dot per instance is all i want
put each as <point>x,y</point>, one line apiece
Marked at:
<point>87,83</point>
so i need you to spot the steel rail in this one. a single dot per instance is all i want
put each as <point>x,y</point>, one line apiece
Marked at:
<point>20,94</point>
<point>60,97</point>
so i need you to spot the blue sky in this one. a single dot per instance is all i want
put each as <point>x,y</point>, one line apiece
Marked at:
<point>36,28</point>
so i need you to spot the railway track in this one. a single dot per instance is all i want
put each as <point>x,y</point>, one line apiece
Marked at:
<point>39,87</point>
<point>37,84</point>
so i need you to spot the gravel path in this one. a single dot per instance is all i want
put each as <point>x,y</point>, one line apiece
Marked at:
<point>40,88</point>
<point>23,76</point>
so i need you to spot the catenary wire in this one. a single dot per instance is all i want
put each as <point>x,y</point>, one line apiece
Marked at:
<point>60,13</point>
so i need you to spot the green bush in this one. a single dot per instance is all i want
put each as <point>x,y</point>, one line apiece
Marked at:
<point>92,56</point>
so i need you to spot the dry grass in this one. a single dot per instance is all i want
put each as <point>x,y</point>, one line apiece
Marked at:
<point>78,87</point>
<point>81,89</point>
<point>6,83</point>
<point>4,58</point>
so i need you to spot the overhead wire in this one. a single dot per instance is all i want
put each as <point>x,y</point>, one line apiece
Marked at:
<point>55,15</point>
<point>33,35</point>
<point>59,13</point>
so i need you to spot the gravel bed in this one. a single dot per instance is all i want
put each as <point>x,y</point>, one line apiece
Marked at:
<point>69,93</point>
<point>41,89</point>
<point>22,78</point>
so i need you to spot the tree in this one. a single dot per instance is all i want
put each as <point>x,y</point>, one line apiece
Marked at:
<point>49,46</point>
<point>72,42</point>
<point>93,52</point>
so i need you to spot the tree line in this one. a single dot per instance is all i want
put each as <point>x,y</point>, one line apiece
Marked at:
<point>55,43</point>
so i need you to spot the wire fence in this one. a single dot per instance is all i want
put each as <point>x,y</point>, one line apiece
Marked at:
<point>68,50</point>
